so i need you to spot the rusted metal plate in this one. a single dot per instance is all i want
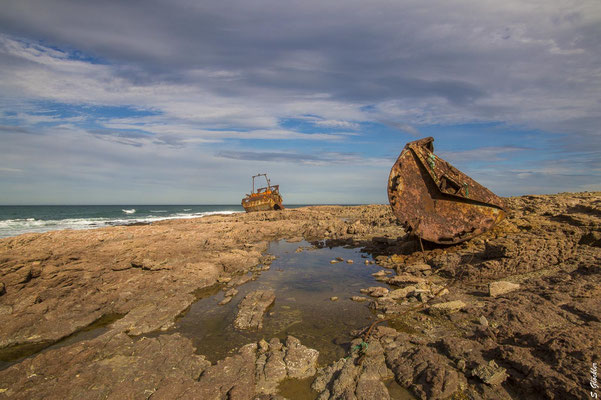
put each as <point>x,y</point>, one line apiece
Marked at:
<point>436,201</point>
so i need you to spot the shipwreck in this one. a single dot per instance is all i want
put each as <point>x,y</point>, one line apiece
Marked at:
<point>263,199</point>
<point>435,201</point>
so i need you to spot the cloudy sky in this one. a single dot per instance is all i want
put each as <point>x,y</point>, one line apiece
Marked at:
<point>181,101</point>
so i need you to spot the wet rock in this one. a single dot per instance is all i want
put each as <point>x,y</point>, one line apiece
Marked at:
<point>300,361</point>
<point>359,299</point>
<point>501,287</point>
<point>334,298</point>
<point>270,369</point>
<point>490,373</point>
<point>225,300</point>
<point>382,273</point>
<point>252,308</point>
<point>401,293</point>
<point>349,261</point>
<point>376,291</point>
<point>240,280</point>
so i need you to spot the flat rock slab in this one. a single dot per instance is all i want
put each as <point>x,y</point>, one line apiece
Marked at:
<point>501,287</point>
<point>252,308</point>
<point>448,307</point>
<point>402,279</point>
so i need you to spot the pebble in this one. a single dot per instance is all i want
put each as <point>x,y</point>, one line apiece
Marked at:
<point>333,298</point>
<point>349,261</point>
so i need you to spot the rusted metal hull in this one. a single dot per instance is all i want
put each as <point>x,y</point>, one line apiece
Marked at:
<point>436,201</point>
<point>262,202</point>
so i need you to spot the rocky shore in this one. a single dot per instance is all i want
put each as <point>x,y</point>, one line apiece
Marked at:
<point>514,313</point>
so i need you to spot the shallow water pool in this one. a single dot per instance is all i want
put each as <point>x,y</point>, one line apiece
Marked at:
<point>303,283</point>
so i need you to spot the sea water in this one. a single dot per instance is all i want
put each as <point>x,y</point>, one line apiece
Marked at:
<point>15,220</point>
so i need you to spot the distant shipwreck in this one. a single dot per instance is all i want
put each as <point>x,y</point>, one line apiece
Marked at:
<point>263,199</point>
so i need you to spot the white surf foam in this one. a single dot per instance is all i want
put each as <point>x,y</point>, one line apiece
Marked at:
<point>14,227</point>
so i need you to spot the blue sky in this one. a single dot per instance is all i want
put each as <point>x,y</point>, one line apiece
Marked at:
<point>177,102</point>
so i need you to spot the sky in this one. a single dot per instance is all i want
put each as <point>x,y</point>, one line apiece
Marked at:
<point>181,102</point>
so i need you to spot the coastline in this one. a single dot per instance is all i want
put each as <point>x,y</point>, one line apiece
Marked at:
<point>17,220</point>
<point>60,282</point>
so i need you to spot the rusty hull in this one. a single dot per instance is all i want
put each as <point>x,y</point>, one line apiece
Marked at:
<point>436,201</point>
<point>265,201</point>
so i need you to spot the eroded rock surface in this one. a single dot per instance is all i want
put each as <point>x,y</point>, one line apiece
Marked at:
<point>115,366</point>
<point>527,325</point>
<point>533,342</point>
<point>252,308</point>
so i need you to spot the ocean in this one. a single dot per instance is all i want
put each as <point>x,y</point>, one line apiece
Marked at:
<point>15,220</point>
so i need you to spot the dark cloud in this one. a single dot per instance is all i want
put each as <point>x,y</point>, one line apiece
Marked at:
<point>322,158</point>
<point>15,129</point>
<point>353,51</point>
<point>128,138</point>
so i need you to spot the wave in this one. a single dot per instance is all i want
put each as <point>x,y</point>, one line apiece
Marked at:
<point>158,211</point>
<point>14,227</point>
<point>130,211</point>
